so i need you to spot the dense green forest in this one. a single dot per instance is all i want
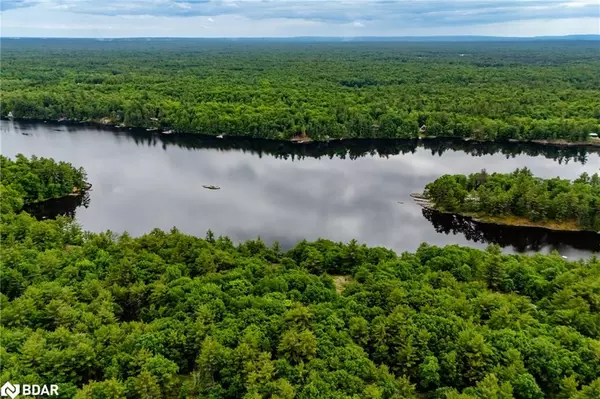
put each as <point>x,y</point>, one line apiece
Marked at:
<point>522,195</point>
<point>175,316</point>
<point>274,89</point>
<point>37,179</point>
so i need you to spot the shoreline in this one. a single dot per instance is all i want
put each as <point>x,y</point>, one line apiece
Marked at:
<point>500,221</point>
<point>75,193</point>
<point>561,143</point>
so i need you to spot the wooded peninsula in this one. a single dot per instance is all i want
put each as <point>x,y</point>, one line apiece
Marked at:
<point>29,180</point>
<point>520,199</point>
<point>310,90</point>
<point>176,316</point>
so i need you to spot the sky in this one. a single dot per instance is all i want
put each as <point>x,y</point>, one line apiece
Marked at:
<point>288,18</point>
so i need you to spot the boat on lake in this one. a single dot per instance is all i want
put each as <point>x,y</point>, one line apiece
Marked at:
<point>211,187</point>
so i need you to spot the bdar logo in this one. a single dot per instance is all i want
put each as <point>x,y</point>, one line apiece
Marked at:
<point>13,390</point>
<point>9,389</point>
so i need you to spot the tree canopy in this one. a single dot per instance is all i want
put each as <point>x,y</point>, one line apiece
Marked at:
<point>37,179</point>
<point>276,90</point>
<point>522,195</point>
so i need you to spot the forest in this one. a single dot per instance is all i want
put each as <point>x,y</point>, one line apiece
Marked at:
<point>37,179</point>
<point>169,315</point>
<point>314,90</point>
<point>555,202</point>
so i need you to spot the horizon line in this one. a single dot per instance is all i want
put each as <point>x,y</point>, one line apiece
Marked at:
<point>586,35</point>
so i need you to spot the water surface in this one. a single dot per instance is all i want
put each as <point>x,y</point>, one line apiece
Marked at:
<point>288,192</point>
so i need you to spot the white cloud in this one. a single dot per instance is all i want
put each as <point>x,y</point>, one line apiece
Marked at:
<point>306,17</point>
<point>581,3</point>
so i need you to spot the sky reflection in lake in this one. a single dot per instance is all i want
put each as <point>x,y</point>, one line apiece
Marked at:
<point>142,181</point>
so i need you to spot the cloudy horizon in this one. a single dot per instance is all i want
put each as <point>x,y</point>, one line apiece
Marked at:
<point>289,18</point>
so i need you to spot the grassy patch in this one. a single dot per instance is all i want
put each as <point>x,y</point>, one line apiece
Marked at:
<point>341,282</point>
<point>511,220</point>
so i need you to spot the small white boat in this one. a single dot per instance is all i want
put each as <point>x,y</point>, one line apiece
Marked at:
<point>220,136</point>
<point>167,132</point>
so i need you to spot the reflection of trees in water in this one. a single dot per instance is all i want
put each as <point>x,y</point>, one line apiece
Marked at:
<point>520,238</point>
<point>353,149</point>
<point>65,206</point>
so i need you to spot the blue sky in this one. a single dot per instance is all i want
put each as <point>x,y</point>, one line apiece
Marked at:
<point>265,18</point>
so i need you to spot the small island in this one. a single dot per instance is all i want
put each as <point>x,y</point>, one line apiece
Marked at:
<point>518,199</point>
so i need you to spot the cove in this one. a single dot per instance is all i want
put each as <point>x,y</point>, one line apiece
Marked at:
<point>287,192</point>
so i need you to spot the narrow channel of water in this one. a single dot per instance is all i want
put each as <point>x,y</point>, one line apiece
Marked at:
<point>288,192</point>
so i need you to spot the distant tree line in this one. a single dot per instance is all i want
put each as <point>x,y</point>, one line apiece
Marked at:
<point>323,90</point>
<point>169,315</point>
<point>520,194</point>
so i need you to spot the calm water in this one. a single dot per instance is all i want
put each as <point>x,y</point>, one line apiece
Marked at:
<point>287,192</point>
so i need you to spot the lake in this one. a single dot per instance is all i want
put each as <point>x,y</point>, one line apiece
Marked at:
<point>288,192</point>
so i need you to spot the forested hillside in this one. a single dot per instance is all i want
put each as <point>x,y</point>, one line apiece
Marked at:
<point>554,202</point>
<point>270,89</point>
<point>175,316</point>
